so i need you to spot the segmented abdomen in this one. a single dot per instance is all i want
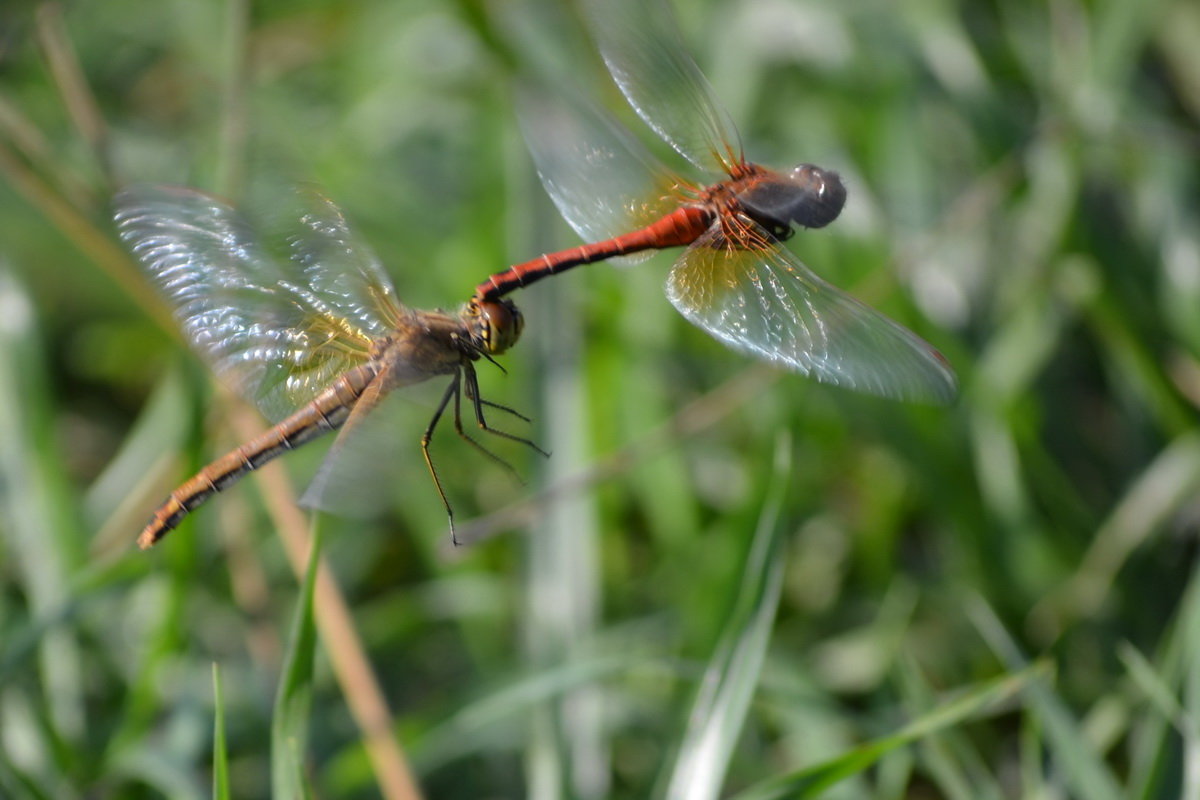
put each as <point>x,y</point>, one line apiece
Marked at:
<point>326,412</point>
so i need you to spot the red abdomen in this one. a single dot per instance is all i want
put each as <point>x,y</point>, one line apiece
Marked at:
<point>677,229</point>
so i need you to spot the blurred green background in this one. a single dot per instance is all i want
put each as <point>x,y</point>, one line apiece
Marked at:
<point>1023,193</point>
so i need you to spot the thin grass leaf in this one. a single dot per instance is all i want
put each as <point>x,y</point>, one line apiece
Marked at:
<point>19,787</point>
<point>32,144</point>
<point>77,97</point>
<point>1155,689</point>
<point>719,710</point>
<point>119,500</point>
<point>1191,699</point>
<point>950,761</point>
<point>473,727</point>
<point>1188,638</point>
<point>220,753</point>
<point>813,781</point>
<point>1167,484</point>
<point>1172,677</point>
<point>293,699</point>
<point>1033,772</point>
<point>161,641</point>
<point>894,775</point>
<point>235,83</point>
<point>95,243</point>
<point>1083,769</point>
<point>42,535</point>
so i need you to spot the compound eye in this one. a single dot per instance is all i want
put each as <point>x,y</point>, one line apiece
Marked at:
<point>518,322</point>
<point>502,324</point>
<point>821,195</point>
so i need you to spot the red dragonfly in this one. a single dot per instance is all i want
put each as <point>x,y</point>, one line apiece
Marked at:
<point>320,331</point>
<point>734,280</point>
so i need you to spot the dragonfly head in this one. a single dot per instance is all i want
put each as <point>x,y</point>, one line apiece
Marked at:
<point>807,195</point>
<point>496,324</point>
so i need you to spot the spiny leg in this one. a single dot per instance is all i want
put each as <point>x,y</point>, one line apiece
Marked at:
<point>458,426</point>
<point>472,389</point>
<point>505,409</point>
<point>479,403</point>
<point>453,390</point>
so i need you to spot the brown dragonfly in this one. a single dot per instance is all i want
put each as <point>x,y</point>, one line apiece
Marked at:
<point>735,279</point>
<point>319,330</point>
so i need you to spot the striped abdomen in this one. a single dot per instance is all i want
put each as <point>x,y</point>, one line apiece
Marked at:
<point>681,227</point>
<point>325,413</point>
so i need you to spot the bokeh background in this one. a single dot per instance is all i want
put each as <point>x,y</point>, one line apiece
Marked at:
<point>726,581</point>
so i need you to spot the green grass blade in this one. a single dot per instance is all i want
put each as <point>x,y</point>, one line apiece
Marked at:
<point>473,726</point>
<point>220,753</point>
<point>949,759</point>
<point>1191,695</point>
<point>813,781</point>
<point>1083,769</point>
<point>42,537</point>
<point>293,700</point>
<point>1169,685</point>
<point>720,708</point>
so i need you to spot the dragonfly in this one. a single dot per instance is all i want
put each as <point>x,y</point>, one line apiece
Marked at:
<point>315,337</point>
<point>735,280</point>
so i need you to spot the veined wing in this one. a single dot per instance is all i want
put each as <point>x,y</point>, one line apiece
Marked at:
<point>644,52</point>
<point>369,461</point>
<point>274,337</point>
<point>764,302</point>
<point>602,180</point>
<point>339,268</point>
<point>347,481</point>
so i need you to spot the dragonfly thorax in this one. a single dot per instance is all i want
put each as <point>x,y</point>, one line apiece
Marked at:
<point>807,195</point>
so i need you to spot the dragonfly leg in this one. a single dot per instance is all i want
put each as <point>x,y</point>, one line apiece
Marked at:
<point>479,403</point>
<point>473,394</point>
<point>452,391</point>
<point>505,409</point>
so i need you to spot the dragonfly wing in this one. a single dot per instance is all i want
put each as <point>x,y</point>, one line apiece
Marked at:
<point>644,52</point>
<point>368,460</point>
<point>247,313</point>
<point>338,268</point>
<point>602,180</point>
<point>341,482</point>
<point>766,303</point>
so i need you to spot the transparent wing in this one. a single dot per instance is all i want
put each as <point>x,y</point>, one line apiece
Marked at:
<point>352,478</point>
<point>602,180</point>
<point>642,46</point>
<point>762,301</point>
<point>268,330</point>
<point>377,452</point>
<point>341,271</point>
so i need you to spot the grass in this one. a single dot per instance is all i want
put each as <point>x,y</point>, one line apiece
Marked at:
<point>996,599</point>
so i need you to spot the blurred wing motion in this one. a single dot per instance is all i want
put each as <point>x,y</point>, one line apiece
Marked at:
<point>601,179</point>
<point>278,330</point>
<point>642,47</point>
<point>340,269</point>
<point>765,303</point>
<point>348,479</point>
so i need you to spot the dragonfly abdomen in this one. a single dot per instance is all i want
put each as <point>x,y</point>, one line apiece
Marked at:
<point>327,412</point>
<point>681,227</point>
